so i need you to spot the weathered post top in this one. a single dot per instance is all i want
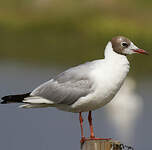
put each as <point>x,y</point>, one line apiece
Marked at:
<point>101,145</point>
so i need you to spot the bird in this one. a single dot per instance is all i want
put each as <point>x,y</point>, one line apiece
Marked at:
<point>85,87</point>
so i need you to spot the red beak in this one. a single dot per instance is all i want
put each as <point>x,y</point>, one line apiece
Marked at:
<point>141,51</point>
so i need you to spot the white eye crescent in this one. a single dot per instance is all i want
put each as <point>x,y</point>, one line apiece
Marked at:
<point>124,44</point>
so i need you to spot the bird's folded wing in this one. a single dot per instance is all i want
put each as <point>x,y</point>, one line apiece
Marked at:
<point>67,87</point>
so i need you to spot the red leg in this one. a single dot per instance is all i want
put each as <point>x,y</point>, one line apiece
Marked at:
<point>91,125</point>
<point>81,125</point>
<point>92,137</point>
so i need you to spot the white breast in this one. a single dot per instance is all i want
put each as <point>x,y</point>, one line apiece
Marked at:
<point>107,82</point>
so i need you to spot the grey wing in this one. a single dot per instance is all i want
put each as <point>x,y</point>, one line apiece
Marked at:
<point>67,87</point>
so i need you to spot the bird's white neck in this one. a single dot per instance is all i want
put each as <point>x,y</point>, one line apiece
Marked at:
<point>114,57</point>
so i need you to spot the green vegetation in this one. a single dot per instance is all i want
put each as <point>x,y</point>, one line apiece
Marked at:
<point>72,31</point>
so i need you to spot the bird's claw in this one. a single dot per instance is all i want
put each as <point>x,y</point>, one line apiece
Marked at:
<point>83,139</point>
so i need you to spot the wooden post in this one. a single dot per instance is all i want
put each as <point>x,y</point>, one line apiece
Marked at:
<point>101,145</point>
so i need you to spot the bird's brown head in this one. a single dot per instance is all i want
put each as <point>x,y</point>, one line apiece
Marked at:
<point>124,46</point>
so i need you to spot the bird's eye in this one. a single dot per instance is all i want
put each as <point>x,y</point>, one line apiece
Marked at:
<point>124,44</point>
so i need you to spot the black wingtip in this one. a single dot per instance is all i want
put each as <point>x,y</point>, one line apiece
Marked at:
<point>14,98</point>
<point>3,102</point>
<point>4,99</point>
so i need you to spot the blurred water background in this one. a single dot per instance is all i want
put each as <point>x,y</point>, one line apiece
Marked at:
<point>40,38</point>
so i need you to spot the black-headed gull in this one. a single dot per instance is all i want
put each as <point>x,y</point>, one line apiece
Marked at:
<point>85,87</point>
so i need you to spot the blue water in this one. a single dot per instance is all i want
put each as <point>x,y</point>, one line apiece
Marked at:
<point>51,129</point>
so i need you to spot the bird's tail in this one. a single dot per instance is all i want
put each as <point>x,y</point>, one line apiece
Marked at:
<point>14,98</point>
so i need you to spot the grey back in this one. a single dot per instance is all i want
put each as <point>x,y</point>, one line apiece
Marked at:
<point>68,86</point>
